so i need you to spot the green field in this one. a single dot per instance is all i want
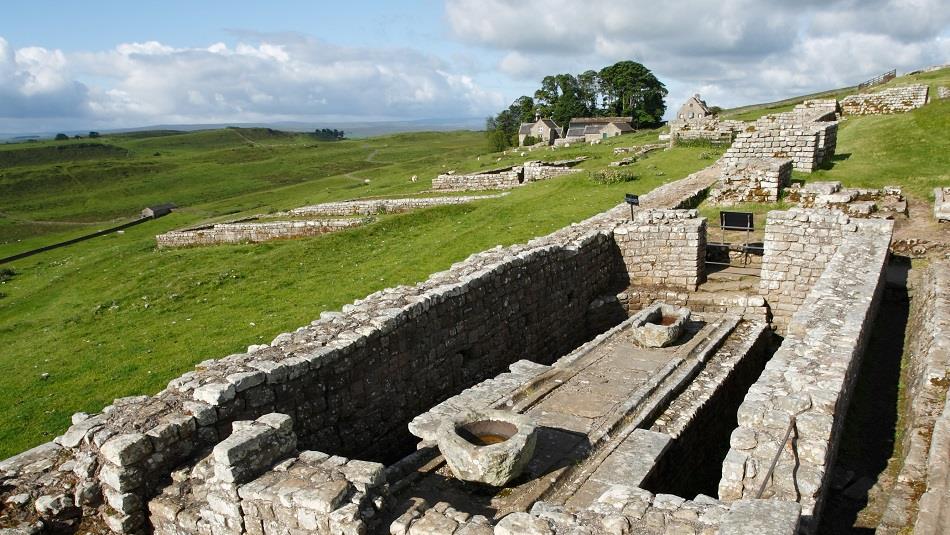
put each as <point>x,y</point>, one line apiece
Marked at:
<point>113,316</point>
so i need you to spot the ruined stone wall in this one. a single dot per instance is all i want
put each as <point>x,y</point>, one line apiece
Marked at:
<point>790,135</point>
<point>923,482</point>
<point>807,385</point>
<point>749,307</point>
<point>798,246</point>
<point>534,171</point>
<point>892,100</point>
<point>253,232</point>
<point>664,248</point>
<point>380,206</point>
<point>479,181</point>
<point>943,92</point>
<point>752,180</point>
<point>712,129</point>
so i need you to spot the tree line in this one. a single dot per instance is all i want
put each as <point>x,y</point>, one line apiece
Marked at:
<point>328,134</point>
<point>624,89</point>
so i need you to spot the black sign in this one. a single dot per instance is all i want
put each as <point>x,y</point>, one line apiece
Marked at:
<point>632,200</point>
<point>736,221</point>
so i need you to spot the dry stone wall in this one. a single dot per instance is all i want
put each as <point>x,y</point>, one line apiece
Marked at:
<point>233,233</point>
<point>664,248</point>
<point>752,180</point>
<point>713,129</point>
<point>919,496</point>
<point>790,135</point>
<point>798,246</point>
<point>382,206</point>
<point>478,181</point>
<point>943,92</point>
<point>804,391</point>
<point>892,100</point>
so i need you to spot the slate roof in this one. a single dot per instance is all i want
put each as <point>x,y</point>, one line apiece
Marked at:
<point>525,129</point>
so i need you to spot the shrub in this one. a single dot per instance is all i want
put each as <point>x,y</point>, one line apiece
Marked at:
<point>611,176</point>
<point>61,137</point>
<point>6,274</point>
<point>530,140</point>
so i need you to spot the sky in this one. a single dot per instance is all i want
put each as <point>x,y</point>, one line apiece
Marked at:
<point>119,64</point>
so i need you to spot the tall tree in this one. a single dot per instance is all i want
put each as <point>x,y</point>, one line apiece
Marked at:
<point>630,89</point>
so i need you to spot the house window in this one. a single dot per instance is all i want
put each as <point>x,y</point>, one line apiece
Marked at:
<point>691,115</point>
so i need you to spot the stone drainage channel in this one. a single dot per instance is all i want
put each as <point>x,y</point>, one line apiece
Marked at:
<point>594,409</point>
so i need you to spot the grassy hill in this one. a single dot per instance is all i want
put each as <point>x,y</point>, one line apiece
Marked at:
<point>113,316</point>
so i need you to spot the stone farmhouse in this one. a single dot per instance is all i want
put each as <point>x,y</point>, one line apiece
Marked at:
<point>545,130</point>
<point>693,111</point>
<point>590,129</point>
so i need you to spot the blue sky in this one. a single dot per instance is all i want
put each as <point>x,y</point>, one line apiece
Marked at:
<point>75,65</point>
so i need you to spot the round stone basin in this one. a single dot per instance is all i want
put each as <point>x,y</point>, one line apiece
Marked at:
<point>659,325</point>
<point>487,446</point>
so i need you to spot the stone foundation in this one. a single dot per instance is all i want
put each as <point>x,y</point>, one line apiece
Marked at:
<point>806,386</point>
<point>892,100</point>
<point>382,206</point>
<point>942,204</point>
<point>753,180</point>
<point>234,233</point>
<point>664,248</point>
<point>887,202</point>
<point>919,496</point>
<point>506,178</point>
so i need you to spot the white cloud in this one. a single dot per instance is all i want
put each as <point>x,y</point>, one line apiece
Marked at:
<point>739,51</point>
<point>275,77</point>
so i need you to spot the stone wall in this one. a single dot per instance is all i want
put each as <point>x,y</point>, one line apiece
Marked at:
<point>253,482</point>
<point>478,181</point>
<point>664,248</point>
<point>804,391</point>
<point>786,136</point>
<point>382,206</point>
<point>892,100</point>
<point>923,482</point>
<point>798,246</point>
<point>943,92</point>
<point>752,180</point>
<point>621,509</point>
<point>856,202</point>
<point>536,170</point>
<point>712,129</point>
<point>253,232</point>
<point>942,204</point>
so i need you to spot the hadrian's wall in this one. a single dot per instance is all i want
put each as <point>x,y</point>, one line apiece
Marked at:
<point>892,100</point>
<point>713,129</point>
<point>381,206</point>
<point>807,385</point>
<point>799,244</point>
<point>231,233</point>
<point>752,180</point>
<point>919,495</point>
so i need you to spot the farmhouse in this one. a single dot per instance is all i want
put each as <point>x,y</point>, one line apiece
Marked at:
<point>545,130</point>
<point>594,128</point>
<point>693,111</point>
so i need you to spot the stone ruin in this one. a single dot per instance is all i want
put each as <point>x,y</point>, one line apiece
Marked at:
<point>636,153</point>
<point>887,202</point>
<point>333,428</point>
<point>506,177</point>
<point>806,135</point>
<point>331,217</point>
<point>891,100</point>
<point>943,92</point>
<point>942,204</point>
<point>752,180</point>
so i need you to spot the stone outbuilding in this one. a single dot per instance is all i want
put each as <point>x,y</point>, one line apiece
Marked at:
<point>595,128</point>
<point>545,130</point>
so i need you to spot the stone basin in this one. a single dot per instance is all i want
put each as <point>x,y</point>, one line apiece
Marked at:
<point>487,446</point>
<point>659,325</point>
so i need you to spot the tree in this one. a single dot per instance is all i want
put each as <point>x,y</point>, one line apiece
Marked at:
<point>93,134</point>
<point>61,137</point>
<point>630,89</point>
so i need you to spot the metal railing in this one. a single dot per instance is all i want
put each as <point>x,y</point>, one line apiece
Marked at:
<point>778,454</point>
